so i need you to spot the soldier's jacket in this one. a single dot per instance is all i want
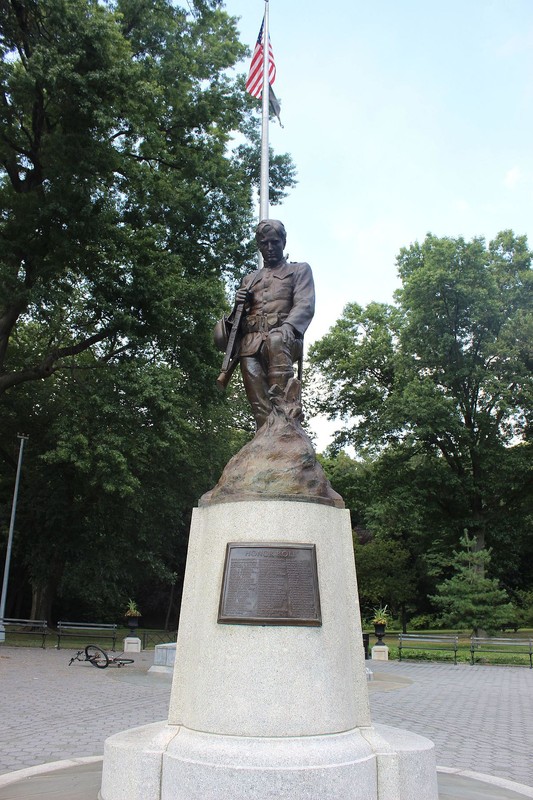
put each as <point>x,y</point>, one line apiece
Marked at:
<point>280,294</point>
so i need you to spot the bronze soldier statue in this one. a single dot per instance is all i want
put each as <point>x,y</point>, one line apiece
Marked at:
<point>273,309</point>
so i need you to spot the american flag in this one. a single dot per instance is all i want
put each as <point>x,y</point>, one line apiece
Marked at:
<point>254,82</point>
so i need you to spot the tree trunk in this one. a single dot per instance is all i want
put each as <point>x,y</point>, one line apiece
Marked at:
<point>477,529</point>
<point>170,604</point>
<point>403,617</point>
<point>42,597</point>
<point>17,593</point>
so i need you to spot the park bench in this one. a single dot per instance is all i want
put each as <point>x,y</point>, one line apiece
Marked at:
<point>27,627</point>
<point>429,643</point>
<point>86,630</point>
<point>489,644</point>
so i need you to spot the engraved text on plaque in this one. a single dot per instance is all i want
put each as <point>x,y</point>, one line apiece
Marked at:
<point>275,584</point>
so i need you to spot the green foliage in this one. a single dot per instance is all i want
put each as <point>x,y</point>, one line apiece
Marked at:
<point>380,615</point>
<point>282,173</point>
<point>353,369</point>
<point>126,211</point>
<point>523,615</point>
<point>468,599</point>
<point>422,622</point>
<point>442,366</point>
<point>115,461</point>
<point>384,572</point>
<point>435,394</point>
<point>350,479</point>
<point>132,609</point>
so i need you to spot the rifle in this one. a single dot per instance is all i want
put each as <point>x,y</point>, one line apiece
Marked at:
<point>230,361</point>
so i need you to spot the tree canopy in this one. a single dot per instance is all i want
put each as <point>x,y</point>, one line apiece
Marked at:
<point>470,600</point>
<point>127,209</point>
<point>121,199</point>
<point>437,390</point>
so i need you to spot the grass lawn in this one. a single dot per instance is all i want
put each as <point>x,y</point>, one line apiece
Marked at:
<point>153,637</point>
<point>463,652</point>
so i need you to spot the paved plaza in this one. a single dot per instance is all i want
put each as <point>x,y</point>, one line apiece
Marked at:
<point>480,718</point>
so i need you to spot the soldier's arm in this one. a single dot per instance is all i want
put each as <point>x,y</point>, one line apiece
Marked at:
<point>303,307</point>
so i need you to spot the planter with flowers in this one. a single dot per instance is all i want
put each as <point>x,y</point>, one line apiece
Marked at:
<point>132,615</point>
<point>379,620</point>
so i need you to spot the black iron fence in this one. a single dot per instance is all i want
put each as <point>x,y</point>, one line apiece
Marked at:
<point>150,638</point>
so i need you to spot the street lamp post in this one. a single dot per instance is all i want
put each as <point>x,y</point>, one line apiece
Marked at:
<point>23,438</point>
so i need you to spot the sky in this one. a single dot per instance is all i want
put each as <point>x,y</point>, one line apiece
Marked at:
<point>402,118</point>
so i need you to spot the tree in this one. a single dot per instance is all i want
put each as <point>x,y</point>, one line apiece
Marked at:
<point>125,214</point>
<point>385,574</point>
<point>387,499</point>
<point>350,479</point>
<point>470,600</point>
<point>122,203</point>
<point>116,460</point>
<point>441,382</point>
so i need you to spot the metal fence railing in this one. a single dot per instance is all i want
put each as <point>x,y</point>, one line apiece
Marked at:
<point>151,638</point>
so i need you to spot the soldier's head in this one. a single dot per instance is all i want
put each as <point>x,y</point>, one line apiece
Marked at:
<point>271,237</point>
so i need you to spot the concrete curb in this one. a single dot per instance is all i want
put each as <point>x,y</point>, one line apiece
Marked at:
<point>53,766</point>
<point>502,783</point>
<point>43,769</point>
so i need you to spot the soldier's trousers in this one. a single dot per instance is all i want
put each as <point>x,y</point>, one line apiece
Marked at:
<point>272,364</point>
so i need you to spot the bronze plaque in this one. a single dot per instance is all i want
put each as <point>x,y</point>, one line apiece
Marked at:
<point>275,584</point>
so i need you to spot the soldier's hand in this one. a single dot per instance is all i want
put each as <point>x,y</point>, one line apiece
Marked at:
<point>243,296</point>
<point>287,333</point>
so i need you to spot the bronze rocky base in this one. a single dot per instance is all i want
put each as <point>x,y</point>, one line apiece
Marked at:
<point>279,463</point>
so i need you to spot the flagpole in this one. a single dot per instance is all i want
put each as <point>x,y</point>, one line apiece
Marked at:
<point>264,185</point>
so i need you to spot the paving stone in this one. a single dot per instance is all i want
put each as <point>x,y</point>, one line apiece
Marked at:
<point>480,718</point>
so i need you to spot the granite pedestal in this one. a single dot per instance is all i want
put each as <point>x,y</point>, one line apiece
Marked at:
<point>380,652</point>
<point>164,658</point>
<point>132,644</point>
<point>269,711</point>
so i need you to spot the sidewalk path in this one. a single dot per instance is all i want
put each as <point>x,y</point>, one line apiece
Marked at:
<point>480,718</point>
<point>50,711</point>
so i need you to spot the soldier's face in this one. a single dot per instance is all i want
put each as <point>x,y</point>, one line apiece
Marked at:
<point>271,247</point>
